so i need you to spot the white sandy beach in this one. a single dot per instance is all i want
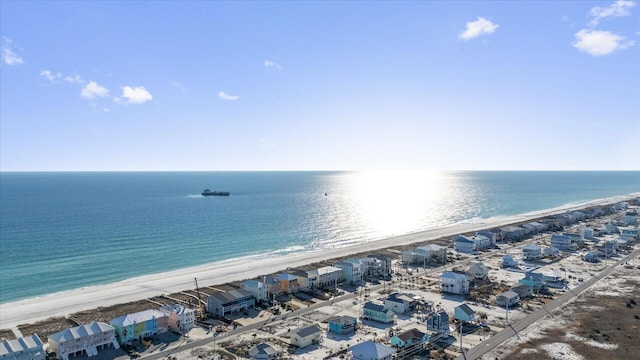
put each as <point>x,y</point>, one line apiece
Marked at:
<point>65,303</point>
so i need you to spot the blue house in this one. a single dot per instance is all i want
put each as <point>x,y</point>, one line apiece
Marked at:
<point>464,313</point>
<point>533,279</point>
<point>375,312</point>
<point>409,338</point>
<point>438,323</point>
<point>343,325</point>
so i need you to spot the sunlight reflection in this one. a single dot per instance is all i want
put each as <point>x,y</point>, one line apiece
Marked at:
<point>396,202</point>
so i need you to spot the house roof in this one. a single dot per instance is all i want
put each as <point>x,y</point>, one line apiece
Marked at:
<point>12,346</point>
<point>371,350</point>
<point>176,309</point>
<point>509,294</point>
<point>139,317</point>
<point>431,247</point>
<point>343,320</point>
<point>264,349</point>
<point>81,331</point>
<point>478,266</point>
<point>531,247</point>
<point>287,277</point>
<point>324,270</point>
<point>306,331</point>
<point>466,309</point>
<point>231,296</point>
<point>373,306</point>
<point>452,275</point>
<point>411,334</point>
<point>401,298</point>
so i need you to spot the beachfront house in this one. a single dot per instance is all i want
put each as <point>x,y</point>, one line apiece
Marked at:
<point>400,303</point>
<point>223,303</point>
<point>531,252</point>
<point>507,299</point>
<point>512,233</point>
<point>181,319</point>
<point>492,235</point>
<point>377,312</point>
<point>454,283</point>
<point>324,277</point>
<point>377,265</point>
<point>411,337</point>
<point>82,340</point>
<point>432,254</point>
<point>343,325</point>
<point>370,350</point>
<point>140,325</point>
<point>24,348</point>
<point>438,322</point>
<point>257,289</point>
<point>352,270</point>
<point>470,244</point>
<point>306,336</point>
<point>288,283</point>
<point>263,351</point>
<point>477,271</point>
<point>274,288</point>
<point>463,312</point>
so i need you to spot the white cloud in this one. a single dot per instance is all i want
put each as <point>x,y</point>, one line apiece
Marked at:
<point>617,9</point>
<point>224,96</point>
<point>135,95</point>
<point>92,90</point>
<point>477,28</point>
<point>50,76</point>
<point>8,54</point>
<point>272,65</point>
<point>599,43</point>
<point>74,80</point>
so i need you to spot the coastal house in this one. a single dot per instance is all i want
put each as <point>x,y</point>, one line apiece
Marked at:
<point>562,242</point>
<point>492,235</point>
<point>352,270</point>
<point>477,271</point>
<point>507,299</point>
<point>587,233</point>
<point>531,252</point>
<point>470,244</point>
<point>140,325</point>
<point>438,322</point>
<point>181,319</point>
<point>400,303</point>
<point>274,288</point>
<point>263,351</point>
<point>523,291</point>
<point>550,252</point>
<point>370,350</point>
<point>377,265</point>
<point>24,348</point>
<point>512,233</point>
<point>630,234</point>
<point>411,337</point>
<point>611,229</point>
<point>463,312</point>
<point>343,325</point>
<point>220,304</point>
<point>432,254</point>
<point>306,336</point>
<point>288,283</point>
<point>85,339</point>
<point>593,256</point>
<point>629,220</point>
<point>534,280</point>
<point>257,289</point>
<point>508,261</point>
<point>324,277</point>
<point>454,283</point>
<point>377,312</point>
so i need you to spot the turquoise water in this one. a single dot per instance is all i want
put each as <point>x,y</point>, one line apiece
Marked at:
<point>60,231</point>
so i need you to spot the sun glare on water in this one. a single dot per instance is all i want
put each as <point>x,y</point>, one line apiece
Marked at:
<point>396,202</point>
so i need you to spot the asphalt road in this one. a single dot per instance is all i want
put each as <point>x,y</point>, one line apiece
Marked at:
<point>516,327</point>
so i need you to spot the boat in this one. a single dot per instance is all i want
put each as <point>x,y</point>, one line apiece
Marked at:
<point>208,192</point>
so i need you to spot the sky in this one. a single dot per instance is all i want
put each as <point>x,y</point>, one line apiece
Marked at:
<point>302,85</point>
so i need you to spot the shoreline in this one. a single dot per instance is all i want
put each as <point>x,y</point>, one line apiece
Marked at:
<point>31,310</point>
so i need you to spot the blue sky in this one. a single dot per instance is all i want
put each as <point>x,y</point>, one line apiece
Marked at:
<point>289,85</point>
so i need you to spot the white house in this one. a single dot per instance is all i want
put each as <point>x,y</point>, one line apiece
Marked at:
<point>477,270</point>
<point>508,261</point>
<point>469,244</point>
<point>400,303</point>
<point>181,319</point>
<point>353,270</point>
<point>24,348</point>
<point>531,252</point>
<point>454,283</point>
<point>258,289</point>
<point>432,253</point>
<point>306,336</point>
<point>84,339</point>
<point>324,277</point>
<point>263,351</point>
<point>370,350</point>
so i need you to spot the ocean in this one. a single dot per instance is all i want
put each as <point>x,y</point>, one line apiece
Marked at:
<point>61,231</point>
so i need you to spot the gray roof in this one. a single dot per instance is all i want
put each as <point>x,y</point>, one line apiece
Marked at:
<point>306,331</point>
<point>81,331</point>
<point>372,350</point>
<point>411,334</point>
<point>373,306</point>
<point>262,348</point>
<point>466,309</point>
<point>509,294</point>
<point>231,296</point>
<point>343,320</point>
